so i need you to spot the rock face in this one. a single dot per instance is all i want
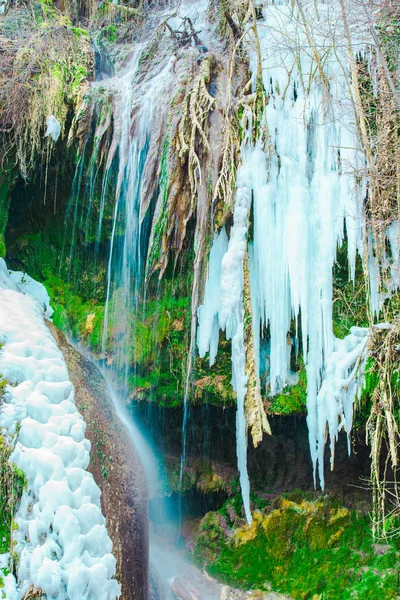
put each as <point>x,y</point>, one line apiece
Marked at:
<point>117,470</point>
<point>281,463</point>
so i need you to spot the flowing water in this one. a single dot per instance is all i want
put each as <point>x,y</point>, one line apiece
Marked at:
<point>138,99</point>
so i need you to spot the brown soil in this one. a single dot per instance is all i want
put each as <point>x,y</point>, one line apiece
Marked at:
<point>117,470</point>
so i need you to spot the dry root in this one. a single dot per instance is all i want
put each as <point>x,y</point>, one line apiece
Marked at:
<point>383,428</point>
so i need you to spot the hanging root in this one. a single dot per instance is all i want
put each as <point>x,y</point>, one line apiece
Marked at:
<point>45,71</point>
<point>256,417</point>
<point>185,145</point>
<point>383,428</point>
<point>191,132</point>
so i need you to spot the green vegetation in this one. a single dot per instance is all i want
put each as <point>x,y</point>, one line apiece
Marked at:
<point>81,319</point>
<point>349,298</point>
<point>213,384</point>
<point>12,484</point>
<point>199,474</point>
<point>2,247</point>
<point>292,399</point>
<point>306,548</point>
<point>46,62</point>
<point>6,177</point>
<point>111,33</point>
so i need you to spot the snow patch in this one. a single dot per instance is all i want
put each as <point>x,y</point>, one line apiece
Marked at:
<point>22,282</point>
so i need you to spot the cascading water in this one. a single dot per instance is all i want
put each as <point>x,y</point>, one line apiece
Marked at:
<point>263,103</point>
<point>137,101</point>
<point>123,273</point>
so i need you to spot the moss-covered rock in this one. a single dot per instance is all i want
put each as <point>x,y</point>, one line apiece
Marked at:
<point>292,399</point>
<point>305,548</point>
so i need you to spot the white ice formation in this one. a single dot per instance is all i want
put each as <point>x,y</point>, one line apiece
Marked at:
<point>53,128</point>
<point>306,196</point>
<point>30,286</point>
<point>61,538</point>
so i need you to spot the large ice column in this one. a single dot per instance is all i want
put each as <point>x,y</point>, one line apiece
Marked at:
<point>231,319</point>
<point>62,542</point>
<point>305,198</point>
<point>223,309</point>
<point>384,271</point>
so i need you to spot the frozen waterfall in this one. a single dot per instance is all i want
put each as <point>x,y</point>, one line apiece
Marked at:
<point>306,196</point>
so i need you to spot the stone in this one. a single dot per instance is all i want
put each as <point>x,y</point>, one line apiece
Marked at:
<point>381,549</point>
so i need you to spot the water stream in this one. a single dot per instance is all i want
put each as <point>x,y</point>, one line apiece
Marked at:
<point>138,99</point>
<point>166,560</point>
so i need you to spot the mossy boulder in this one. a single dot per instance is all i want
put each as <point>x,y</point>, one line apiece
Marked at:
<point>305,548</point>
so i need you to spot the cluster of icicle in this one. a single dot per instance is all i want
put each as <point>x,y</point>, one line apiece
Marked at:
<point>304,196</point>
<point>60,536</point>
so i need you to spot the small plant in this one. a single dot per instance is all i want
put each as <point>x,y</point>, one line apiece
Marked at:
<point>111,33</point>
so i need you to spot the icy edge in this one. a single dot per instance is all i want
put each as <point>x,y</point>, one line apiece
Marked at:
<point>61,538</point>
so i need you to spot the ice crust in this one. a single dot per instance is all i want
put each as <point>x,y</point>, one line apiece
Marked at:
<point>61,539</point>
<point>305,196</point>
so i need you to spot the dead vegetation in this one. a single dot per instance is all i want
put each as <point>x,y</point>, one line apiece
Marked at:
<point>383,434</point>
<point>45,65</point>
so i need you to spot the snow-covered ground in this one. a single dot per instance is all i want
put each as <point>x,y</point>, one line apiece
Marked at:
<point>61,539</point>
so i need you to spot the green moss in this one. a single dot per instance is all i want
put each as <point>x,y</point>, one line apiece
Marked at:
<point>80,32</point>
<point>6,178</point>
<point>159,343</point>
<point>37,254</point>
<point>213,384</point>
<point>12,484</point>
<point>293,399</point>
<point>3,249</point>
<point>301,549</point>
<point>83,320</point>
<point>111,33</point>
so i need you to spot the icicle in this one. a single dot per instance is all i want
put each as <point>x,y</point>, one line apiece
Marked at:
<point>208,330</point>
<point>224,297</point>
<point>341,385</point>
